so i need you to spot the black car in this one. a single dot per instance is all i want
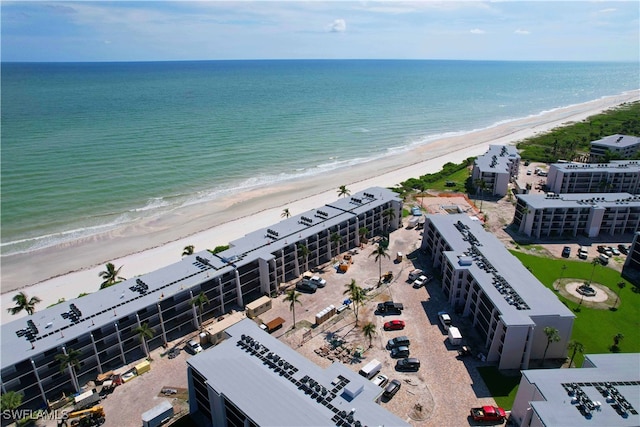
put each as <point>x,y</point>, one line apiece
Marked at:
<point>391,389</point>
<point>566,251</point>
<point>398,352</point>
<point>398,342</point>
<point>623,249</point>
<point>306,287</point>
<point>408,364</point>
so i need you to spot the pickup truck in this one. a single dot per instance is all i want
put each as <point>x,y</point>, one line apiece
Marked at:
<point>390,307</point>
<point>488,413</point>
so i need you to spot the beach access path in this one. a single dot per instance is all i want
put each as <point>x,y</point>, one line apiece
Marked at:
<point>66,271</point>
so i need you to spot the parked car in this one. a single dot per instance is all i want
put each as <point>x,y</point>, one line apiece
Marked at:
<point>391,389</point>
<point>306,287</point>
<point>415,211</point>
<point>194,347</point>
<point>398,352</point>
<point>380,380</point>
<point>614,251</point>
<point>623,249</point>
<point>445,320</point>
<point>394,325</point>
<point>420,282</point>
<point>566,252</point>
<point>398,342</point>
<point>583,253</point>
<point>316,280</point>
<point>409,364</point>
<point>414,274</point>
<point>601,248</point>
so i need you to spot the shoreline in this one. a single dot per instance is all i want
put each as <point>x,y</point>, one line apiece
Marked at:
<point>66,270</point>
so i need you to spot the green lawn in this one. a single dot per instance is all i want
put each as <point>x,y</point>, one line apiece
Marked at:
<point>503,388</point>
<point>594,328</point>
<point>459,177</point>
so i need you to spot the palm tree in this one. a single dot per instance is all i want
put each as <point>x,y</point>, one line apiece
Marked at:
<point>145,333</point>
<point>343,191</point>
<point>356,294</point>
<point>563,268</point>
<point>23,302</point>
<point>594,263</point>
<point>616,342</point>
<point>293,297</point>
<point>336,239</point>
<point>577,347</point>
<point>285,213</point>
<point>480,185</point>
<point>380,252</point>
<point>201,300</point>
<point>552,336</point>
<point>389,215</point>
<point>621,286</point>
<point>111,275</point>
<point>70,360</point>
<point>369,331</point>
<point>188,250</point>
<point>304,252</point>
<point>362,233</point>
<point>10,400</point>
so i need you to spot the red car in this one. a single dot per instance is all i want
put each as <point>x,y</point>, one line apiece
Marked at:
<point>394,325</point>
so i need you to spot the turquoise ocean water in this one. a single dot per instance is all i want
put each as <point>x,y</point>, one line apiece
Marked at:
<point>87,147</point>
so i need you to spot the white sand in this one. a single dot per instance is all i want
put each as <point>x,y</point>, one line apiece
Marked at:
<point>67,270</point>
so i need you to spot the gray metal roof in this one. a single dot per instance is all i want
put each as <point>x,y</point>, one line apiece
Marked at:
<point>497,158</point>
<point>271,399</point>
<point>617,140</point>
<point>615,166</point>
<point>580,200</point>
<point>492,261</point>
<point>108,305</point>
<point>620,370</point>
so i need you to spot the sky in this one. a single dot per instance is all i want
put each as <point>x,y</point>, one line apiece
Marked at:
<point>86,31</point>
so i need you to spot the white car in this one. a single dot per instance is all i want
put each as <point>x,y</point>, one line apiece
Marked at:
<point>420,282</point>
<point>380,380</point>
<point>445,319</point>
<point>414,274</point>
<point>316,280</point>
<point>194,347</point>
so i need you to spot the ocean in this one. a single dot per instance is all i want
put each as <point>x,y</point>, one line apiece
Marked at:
<point>89,147</point>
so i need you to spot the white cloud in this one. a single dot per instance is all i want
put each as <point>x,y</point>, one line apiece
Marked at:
<point>609,10</point>
<point>522,32</point>
<point>338,26</point>
<point>477,31</point>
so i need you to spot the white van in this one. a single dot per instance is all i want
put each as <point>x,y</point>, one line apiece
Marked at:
<point>371,369</point>
<point>603,259</point>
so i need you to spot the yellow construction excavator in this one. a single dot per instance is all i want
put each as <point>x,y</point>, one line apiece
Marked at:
<point>86,418</point>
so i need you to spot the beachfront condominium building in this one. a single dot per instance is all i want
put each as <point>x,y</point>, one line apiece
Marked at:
<point>589,214</point>
<point>631,269</point>
<point>612,177</point>
<point>102,326</point>
<point>604,392</point>
<point>253,379</point>
<point>506,304</point>
<point>496,168</point>
<point>614,146</point>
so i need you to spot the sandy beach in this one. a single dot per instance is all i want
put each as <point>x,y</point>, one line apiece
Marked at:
<point>68,270</point>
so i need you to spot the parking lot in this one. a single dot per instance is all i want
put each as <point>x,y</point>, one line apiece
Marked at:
<point>445,387</point>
